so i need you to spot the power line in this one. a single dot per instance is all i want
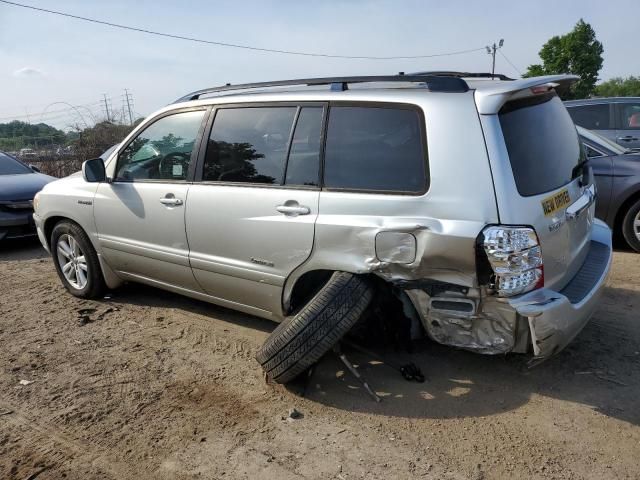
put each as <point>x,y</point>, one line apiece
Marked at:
<point>234,45</point>
<point>510,62</point>
<point>74,102</point>
<point>48,113</point>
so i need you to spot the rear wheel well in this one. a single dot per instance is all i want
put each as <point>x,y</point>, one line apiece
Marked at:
<point>305,288</point>
<point>390,311</point>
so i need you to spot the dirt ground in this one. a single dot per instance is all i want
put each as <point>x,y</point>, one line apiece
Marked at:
<point>149,385</point>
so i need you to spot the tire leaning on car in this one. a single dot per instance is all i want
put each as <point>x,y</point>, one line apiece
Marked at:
<point>631,226</point>
<point>76,260</point>
<point>302,339</point>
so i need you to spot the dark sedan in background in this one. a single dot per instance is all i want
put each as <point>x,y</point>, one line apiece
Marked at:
<point>617,173</point>
<point>18,185</point>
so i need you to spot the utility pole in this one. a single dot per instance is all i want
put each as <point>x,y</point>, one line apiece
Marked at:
<point>491,50</point>
<point>129,99</point>
<point>106,107</point>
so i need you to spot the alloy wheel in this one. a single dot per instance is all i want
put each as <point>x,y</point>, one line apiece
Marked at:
<point>72,261</point>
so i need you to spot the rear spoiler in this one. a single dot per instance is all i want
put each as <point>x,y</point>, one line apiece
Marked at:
<point>490,100</point>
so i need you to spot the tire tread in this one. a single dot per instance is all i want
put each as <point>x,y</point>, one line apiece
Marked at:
<point>301,340</point>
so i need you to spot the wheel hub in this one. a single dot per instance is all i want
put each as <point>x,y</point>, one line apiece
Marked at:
<point>72,261</point>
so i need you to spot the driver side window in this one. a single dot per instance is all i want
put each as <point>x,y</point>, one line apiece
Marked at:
<point>162,151</point>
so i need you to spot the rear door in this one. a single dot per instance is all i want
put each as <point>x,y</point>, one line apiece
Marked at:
<point>251,214</point>
<point>543,190</point>
<point>628,127</point>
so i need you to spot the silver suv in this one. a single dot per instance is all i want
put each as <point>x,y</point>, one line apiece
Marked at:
<point>463,203</point>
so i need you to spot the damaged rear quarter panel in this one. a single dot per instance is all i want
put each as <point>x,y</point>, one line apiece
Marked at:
<point>445,221</point>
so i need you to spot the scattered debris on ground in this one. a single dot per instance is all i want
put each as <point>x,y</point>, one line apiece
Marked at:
<point>157,386</point>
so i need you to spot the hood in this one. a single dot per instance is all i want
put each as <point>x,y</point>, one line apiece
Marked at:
<point>23,186</point>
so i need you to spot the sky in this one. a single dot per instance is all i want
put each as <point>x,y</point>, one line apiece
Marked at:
<point>48,63</point>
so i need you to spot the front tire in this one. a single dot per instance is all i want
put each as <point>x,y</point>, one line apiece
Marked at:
<point>76,261</point>
<point>631,226</point>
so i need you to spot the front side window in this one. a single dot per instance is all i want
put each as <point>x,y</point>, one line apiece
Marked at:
<point>593,117</point>
<point>163,150</point>
<point>375,149</point>
<point>249,145</point>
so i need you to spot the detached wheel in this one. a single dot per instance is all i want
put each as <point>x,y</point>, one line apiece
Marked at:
<point>76,261</point>
<point>301,340</point>
<point>631,226</point>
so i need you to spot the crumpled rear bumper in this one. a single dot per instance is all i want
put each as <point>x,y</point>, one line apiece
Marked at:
<point>555,318</point>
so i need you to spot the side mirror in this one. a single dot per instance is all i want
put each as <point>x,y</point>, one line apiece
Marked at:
<point>34,168</point>
<point>93,171</point>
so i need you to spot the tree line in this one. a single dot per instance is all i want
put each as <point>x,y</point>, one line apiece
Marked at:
<point>579,52</point>
<point>16,135</point>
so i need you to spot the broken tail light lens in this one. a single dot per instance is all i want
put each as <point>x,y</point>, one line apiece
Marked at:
<point>515,258</point>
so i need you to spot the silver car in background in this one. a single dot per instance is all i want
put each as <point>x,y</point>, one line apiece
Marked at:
<point>616,118</point>
<point>465,200</point>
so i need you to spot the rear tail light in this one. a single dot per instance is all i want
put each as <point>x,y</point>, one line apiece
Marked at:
<point>514,257</point>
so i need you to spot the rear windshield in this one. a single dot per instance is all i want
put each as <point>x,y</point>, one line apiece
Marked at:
<point>10,166</point>
<point>542,143</point>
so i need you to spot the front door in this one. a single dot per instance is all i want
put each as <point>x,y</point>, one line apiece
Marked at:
<point>140,213</point>
<point>250,219</point>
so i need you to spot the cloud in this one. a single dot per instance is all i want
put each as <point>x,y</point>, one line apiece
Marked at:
<point>28,72</point>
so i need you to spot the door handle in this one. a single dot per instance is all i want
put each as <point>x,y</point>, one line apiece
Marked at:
<point>171,202</point>
<point>293,210</point>
<point>628,138</point>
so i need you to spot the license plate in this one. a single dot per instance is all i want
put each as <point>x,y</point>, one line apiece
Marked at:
<point>555,202</point>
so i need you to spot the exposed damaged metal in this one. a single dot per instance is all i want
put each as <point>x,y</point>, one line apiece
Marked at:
<point>453,319</point>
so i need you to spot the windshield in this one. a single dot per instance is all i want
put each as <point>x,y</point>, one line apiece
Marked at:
<point>11,166</point>
<point>542,143</point>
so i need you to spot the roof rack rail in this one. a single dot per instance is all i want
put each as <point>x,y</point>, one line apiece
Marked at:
<point>499,76</point>
<point>435,83</point>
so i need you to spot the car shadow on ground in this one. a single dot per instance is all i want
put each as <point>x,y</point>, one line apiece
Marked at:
<point>27,248</point>
<point>599,369</point>
<point>143,295</point>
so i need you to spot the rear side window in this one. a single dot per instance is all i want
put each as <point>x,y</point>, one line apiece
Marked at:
<point>593,117</point>
<point>542,143</point>
<point>249,145</point>
<point>375,149</point>
<point>303,166</point>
